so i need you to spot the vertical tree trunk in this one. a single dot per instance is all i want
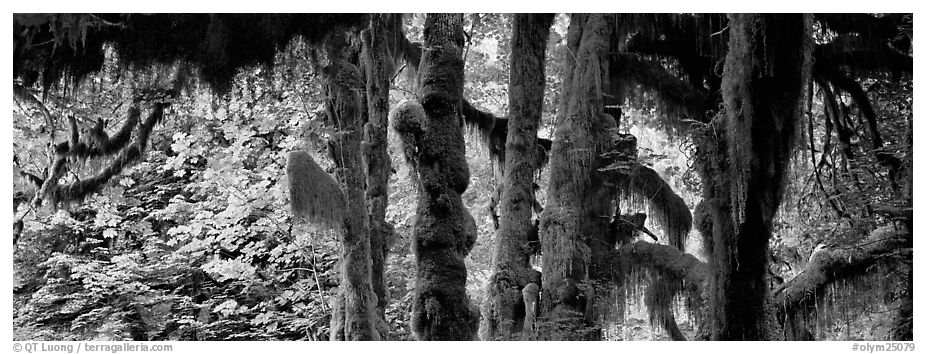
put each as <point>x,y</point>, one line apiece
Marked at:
<point>354,316</point>
<point>444,231</point>
<point>379,67</point>
<point>766,68</point>
<point>504,309</point>
<point>577,212</point>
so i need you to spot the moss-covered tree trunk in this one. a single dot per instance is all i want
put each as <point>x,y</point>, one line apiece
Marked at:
<point>765,71</point>
<point>576,216</point>
<point>504,310</point>
<point>354,309</point>
<point>378,67</point>
<point>444,231</point>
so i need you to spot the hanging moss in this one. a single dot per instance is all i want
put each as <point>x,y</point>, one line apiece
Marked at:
<point>644,188</point>
<point>811,296</point>
<point>574,224</point>
<point>818,297</point>
<point>659,298</point>
<point>491,129</point>
<point>313,195</point>
<point>696,34</point>
<point>97,143</point>
<point>879,28</point>
<point>765,75</point>
<point>218,45</point>
<point>705,226</point>
<point>662,275</point>
<point>563,257</point>
<point>65,194</point>
<point>494,134</point>
<point>683,50</point>
<point>644,82</point>
<point>766,70</point>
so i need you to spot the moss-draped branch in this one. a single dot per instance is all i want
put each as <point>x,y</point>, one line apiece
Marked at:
<point>796,296</point>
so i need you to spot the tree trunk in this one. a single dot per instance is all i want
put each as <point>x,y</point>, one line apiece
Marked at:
<point>354,316</point>
<point>765,71</point>
<point>379,67</point>
<point>504,309</point>
<point>575,219</point>
<point>444,231</point>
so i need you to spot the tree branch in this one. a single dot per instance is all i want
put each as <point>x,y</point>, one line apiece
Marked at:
<point>855,90</point>
<point>494,132</point>
<point>669,260</point>
<point>795,297</point>
<point>643,185</point>
<point>679,96</point>
<point>829,264</point>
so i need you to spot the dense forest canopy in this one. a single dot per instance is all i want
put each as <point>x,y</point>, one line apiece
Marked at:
<point>463,176</point>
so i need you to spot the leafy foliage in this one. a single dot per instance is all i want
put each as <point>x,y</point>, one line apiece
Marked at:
<point>196,242</point>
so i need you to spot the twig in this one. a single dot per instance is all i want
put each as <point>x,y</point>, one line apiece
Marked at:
<point>397,73</point>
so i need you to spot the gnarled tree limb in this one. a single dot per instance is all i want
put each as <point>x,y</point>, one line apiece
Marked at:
<point>795,297</point>
<point>644,184</point>
<point>829,264</point>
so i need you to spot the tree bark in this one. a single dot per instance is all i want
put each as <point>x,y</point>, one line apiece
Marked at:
<point>504,310</point>
<point>444,231</point>
<point>379,66</point>
<point>765,71</point>
<point>354,316</point>
<point>575,220</point>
